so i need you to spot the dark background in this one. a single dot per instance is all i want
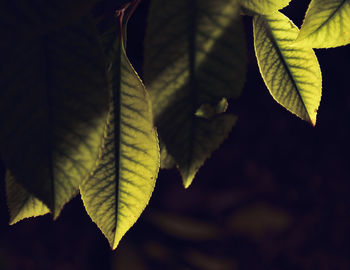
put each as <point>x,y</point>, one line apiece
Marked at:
<point>274,196</point>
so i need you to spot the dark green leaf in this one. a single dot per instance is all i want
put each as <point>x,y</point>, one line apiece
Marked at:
<point>20,202</point>
<point>53,106</point>
<point>194,55</point>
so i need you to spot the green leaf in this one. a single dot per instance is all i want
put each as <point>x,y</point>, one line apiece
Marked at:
<point>291,73</point>
<point>53,108</point>
<point>264,6</point>
<point>122,184</point>
<point>20,202</point>
<point>326,24</point>
<point>194,55</point>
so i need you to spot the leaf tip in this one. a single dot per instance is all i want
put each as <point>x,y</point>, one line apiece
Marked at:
<point>187,183</point>
<point>13,221</point>
<point>187,177</point>
<point>55,213</point>
<point>115,244</point>
<point>313,122</point>
<point>117,239</point>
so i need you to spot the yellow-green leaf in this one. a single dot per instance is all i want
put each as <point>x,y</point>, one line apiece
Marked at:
<point>194,56</point>
<point>53,108</point>
<point>326,24</point>
<point>119,189</point>
<point>291,73</point>
<point>264,6</point>
<point>20,202</point>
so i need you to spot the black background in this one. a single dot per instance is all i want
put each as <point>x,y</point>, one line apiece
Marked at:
<point>272,162</point>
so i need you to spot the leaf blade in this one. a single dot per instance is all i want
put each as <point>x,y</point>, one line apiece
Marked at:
<point>21,204</point>
<point>197,57</point>
<point>291,73</point>
<point>326,24</point>
<point>122,184</point>
<point>53,112</point>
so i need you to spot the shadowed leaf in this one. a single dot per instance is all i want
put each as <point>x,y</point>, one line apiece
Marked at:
<point>166,160</point>
<point>21,204</point>
<point>326,24</point>
<point>119,189</point>
<point>194,55</point>
<point>53,106</point>
<point>291,73</point>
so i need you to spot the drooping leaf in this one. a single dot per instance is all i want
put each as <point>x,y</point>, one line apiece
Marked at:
<point>206,111</point>
<point>326,24</point>
<point>264,6</point>
<point>194,55</point>
<point>291,73</point>
<point>20,202</point>
<point>119,189</point>
<point>53,107</point>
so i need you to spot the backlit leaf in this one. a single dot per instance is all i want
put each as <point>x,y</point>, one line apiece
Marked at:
<point>20,202</point>
<point>326,24</point>
<point>194,56</point>
<point>122,184</point>
<point>291,73</point>
<point>264,6</point>
<point>53,107</point>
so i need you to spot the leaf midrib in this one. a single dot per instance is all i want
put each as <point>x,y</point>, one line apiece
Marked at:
<point>49,88</point>
<point>192,76</point>
<point>329,18</point>
<point>116,93</point>
<point>284,63</point>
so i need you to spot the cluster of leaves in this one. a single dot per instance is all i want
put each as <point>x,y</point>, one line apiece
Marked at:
<point>75,116</point>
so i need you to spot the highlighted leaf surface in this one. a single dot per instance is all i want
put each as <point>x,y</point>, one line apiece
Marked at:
<point>194,55</point>
<point>122,184</point>
<point>326,24</point>
<point>264,6</point>
<point>53,108</point>
<point>20,202</point>
<point>291,73</point>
